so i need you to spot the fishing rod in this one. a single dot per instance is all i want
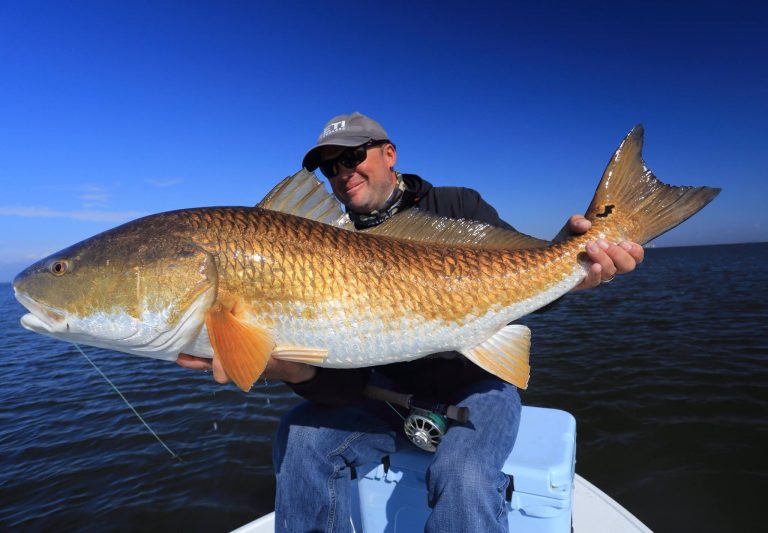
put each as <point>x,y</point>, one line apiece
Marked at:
<point>427,421</point>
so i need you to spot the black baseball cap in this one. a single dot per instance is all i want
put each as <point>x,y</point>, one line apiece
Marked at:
<point>345,130</point>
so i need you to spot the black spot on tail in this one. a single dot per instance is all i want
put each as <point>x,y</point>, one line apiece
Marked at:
<point>608,210</point>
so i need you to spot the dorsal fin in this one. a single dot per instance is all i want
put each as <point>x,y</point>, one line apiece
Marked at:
<point>304,195</point>
<point>417,225</point>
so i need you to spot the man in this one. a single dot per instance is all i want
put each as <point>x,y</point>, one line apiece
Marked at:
<point>321,441</point>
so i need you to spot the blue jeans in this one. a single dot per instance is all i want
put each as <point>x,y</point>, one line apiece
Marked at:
<point>316,447</point>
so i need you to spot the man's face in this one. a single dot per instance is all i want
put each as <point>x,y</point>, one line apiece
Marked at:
<point>366,187</point>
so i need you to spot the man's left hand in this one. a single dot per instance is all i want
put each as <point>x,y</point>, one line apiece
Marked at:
<point>608,259</point>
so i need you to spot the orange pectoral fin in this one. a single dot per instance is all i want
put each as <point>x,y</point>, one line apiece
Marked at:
<point>242,348</point>
<point>505,355</point>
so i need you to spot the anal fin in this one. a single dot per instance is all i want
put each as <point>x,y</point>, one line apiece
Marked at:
<point>243,349</point>
<point>300,354</point>
<point>505,355</point>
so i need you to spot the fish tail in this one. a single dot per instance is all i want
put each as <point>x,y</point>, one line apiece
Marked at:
<point>632,202</point>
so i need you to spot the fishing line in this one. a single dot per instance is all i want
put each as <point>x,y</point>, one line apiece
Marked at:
<point>395,410</point>
<point>127,403</point>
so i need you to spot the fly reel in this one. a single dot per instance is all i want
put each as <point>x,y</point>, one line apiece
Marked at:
<point>427,421</point>
<point>425,429</point>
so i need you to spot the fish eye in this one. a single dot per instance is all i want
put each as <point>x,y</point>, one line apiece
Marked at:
<point>59,267</point>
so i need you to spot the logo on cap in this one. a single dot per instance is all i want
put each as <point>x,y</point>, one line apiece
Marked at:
<point>334,127</point>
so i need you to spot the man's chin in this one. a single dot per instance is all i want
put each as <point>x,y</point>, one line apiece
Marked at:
<point>362,209</point>
<point>358,204</point>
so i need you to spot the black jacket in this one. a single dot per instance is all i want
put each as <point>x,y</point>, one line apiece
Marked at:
<point>433,377</point>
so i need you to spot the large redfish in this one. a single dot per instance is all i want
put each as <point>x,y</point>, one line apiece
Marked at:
<point>242,283</point>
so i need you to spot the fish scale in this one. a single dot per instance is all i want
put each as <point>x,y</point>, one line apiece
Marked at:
<point>407,273</point>
<point>365,299</point>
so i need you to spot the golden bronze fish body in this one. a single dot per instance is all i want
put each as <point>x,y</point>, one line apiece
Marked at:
<point>249,283</point>
<point>282,268</point>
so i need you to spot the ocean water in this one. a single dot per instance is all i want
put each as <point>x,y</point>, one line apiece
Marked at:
<point>665,370</point>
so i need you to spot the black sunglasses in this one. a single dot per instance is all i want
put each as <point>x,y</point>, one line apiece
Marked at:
<point>349,158</point>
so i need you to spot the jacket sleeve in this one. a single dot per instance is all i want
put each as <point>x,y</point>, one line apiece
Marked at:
<point>333,386</point>
<point>460,202</point>
<point>478,209</point>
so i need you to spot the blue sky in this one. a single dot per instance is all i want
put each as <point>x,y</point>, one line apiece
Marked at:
<point>111,110</point>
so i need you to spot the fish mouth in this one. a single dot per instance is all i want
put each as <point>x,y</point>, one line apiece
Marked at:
<point>41,318</point>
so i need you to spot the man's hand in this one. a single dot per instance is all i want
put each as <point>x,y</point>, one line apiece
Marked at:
<point>203,363</point>
<point>607,259</point>
<point>287,371</point>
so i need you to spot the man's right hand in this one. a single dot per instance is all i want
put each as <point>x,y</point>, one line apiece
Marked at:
<point>287,371</point>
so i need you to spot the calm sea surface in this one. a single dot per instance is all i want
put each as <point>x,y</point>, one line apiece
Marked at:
<point>666,371</point>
